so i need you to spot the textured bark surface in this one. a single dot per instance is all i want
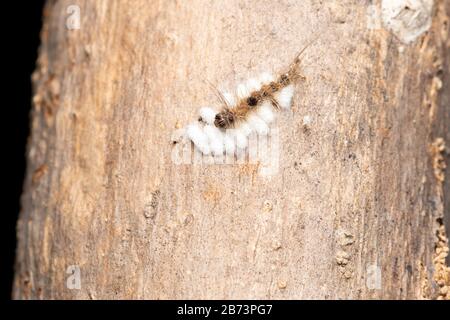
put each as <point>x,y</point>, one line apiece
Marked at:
<point>359,188</point>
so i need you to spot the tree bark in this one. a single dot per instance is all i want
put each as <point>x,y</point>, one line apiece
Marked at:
<point>355,210</point>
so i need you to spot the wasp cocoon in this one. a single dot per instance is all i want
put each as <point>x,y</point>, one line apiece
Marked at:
<point>198,137</point>
<point>207,115</point>
<point>215,139</point>
<point>284,97</point>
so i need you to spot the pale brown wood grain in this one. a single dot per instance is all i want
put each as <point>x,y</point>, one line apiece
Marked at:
<point>355,189</point>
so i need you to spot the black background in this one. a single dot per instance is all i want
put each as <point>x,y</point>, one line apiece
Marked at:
<point>22,27</point>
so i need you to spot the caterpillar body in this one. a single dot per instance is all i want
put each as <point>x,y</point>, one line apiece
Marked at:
<point>251,109</point>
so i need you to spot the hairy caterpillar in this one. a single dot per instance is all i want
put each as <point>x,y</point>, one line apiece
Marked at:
<point>269,89</point>
<point>250,110</point>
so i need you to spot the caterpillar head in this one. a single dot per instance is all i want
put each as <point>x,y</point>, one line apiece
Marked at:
<point>224,119</point>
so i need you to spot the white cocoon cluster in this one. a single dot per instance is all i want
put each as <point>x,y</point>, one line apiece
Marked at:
<point>207,114</point>
<point>284,97</point>
<point>215,138</point>
<point>208,138</point>
<point>198,137</point>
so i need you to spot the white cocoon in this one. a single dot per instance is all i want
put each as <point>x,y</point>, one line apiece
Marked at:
<point>198,137</point>
<point>215,138</point>
<point>257,124</point>
<point>284,97</point>
<point>207,114</point>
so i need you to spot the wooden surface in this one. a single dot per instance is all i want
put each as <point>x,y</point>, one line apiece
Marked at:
<point>356,190</point>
